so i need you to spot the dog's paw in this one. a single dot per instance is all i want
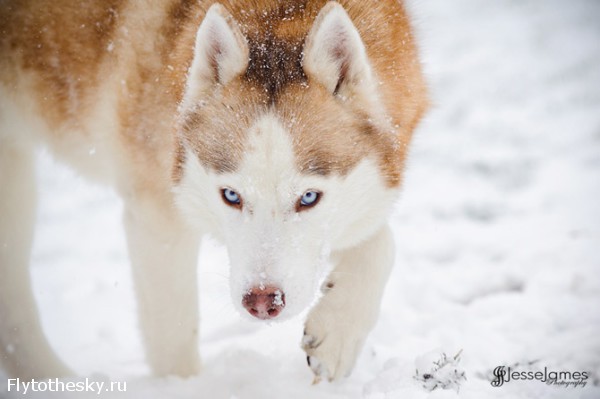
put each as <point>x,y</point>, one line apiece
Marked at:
<point>331,349</point>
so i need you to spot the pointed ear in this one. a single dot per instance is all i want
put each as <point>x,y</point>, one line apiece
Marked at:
<point>220,53</point>
<point>334,53</point>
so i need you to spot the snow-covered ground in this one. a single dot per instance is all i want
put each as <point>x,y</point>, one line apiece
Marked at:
<point>498,235</point>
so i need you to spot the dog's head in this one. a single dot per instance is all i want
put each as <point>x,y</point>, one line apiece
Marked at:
<point>285,152</point>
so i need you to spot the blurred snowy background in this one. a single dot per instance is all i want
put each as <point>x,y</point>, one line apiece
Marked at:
<point>498,234</point>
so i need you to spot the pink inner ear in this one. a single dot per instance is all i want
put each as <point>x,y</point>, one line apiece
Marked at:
<point>340,53</point>
<point>337,41</point>
<point>215,51</point>
<point>219,50</point>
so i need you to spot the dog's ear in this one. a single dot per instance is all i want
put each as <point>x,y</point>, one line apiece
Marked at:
<point>220,53</point>
<point>334,53</point>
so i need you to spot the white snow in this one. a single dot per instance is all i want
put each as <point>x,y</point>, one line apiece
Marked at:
<point>278,300</point>
<point>498,235</point>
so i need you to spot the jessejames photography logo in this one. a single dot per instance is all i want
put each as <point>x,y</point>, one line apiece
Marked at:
<point>567,379</point>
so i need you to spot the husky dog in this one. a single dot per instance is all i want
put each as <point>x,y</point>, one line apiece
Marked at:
<point>278,126</point>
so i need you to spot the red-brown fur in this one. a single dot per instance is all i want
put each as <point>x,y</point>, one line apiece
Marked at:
<point>65,48</point>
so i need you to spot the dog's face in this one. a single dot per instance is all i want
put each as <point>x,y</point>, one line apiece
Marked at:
<point>283,174</point>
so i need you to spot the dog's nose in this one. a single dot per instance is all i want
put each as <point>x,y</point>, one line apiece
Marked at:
<point>264,302</point>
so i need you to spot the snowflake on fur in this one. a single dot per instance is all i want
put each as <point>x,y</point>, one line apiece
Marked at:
<point>435,370</point>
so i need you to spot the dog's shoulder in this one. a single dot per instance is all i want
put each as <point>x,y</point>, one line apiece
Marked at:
<point>59,46</point>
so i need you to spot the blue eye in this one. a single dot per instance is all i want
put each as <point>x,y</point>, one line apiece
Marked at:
<point>231,197</point>
<point>309,199</point>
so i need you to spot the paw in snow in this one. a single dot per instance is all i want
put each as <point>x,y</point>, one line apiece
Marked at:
<point>331,347</point>
<point>437,370</point>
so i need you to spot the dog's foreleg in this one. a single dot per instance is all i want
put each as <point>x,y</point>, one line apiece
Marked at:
<point>164,254</point>
<point>337,327</point>
<point>24,349</point>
